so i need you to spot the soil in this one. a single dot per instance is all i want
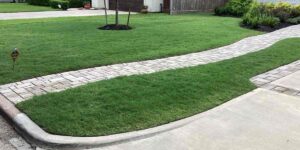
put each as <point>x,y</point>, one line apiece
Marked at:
<point>115,27</point>
<point>268,28</point>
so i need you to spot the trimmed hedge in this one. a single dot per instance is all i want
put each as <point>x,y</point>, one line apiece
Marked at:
<point>76,3</point>
<point>38,2</point>
<point>72,3</point>
<point>62,4</point>
<point>234,8</point>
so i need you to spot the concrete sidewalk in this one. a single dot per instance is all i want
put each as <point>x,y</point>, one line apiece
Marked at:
<point>259,120</point>
<point>54,14</point>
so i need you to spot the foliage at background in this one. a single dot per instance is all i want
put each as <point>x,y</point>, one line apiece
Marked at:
<point>62,4</point>
<point>38,2</point>
<point>72,3</point>
<point>234,8</point>
<point>270,14</point>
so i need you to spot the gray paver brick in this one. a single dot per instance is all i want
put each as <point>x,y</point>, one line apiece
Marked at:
<point>276,74</point>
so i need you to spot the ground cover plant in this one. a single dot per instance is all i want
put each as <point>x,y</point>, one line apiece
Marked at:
<point>142,101</point>
<point>271,16</point>
<point>21,7</point>
<point>61,44</point>
<point>262,16</point>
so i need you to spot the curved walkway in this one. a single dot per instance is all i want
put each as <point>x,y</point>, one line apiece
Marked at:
<point>24,90</point>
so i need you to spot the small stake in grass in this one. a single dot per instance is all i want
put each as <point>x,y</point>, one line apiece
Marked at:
<point>14,55</point>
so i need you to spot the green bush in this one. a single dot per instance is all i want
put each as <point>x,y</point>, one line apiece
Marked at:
<point>76,3</point>
<point>38,2</point>
<point>296,11</point>
<point>260,14</point>
<point>62,4</point>
<point>283,11</point>
<point>72,3</point>
<point>222,11</point>
<point>270,21</point>
<point>294,20</point>
<point>234,8</point>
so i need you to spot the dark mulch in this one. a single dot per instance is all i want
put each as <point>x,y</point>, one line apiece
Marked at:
<point>268,28</point>
<point>115,27</point>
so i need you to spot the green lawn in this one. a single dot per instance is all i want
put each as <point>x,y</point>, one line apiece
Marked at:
<point>21,7</point>
<point>142,101</point>
<point>62,44</point>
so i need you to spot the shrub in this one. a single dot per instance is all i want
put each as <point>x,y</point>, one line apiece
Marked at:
<point>62,4</point>
<point>76,3</point>
<point>270,21</point>
<point>72,3</point>
<point>234,8</point>
<point>260,14</point>
<point>294,20</point>
<point>38,2</point>
<point>220,11</point>
<point>283,11</point>
<point>296,11</point>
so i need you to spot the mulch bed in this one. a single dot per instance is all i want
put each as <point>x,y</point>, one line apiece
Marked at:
<point>115,27</point>
<point>268,28</point>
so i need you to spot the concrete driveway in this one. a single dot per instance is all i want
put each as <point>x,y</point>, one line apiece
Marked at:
<point>259,120</point>
<point>9,139</point>
<point>53,14</point>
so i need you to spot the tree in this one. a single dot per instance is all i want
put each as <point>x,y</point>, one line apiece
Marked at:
<point>117,25</point>
<point>117,12</point>
<point>105,10</point>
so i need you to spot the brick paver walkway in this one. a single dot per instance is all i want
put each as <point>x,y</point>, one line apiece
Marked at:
<point>20,91</point>
<point>266,80</point>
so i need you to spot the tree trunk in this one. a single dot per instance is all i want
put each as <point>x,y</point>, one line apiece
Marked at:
<point>117,12</point>
<point>105,8</point>
<point>128,19</point>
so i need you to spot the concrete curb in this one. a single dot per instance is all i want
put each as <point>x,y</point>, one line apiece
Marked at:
<point>38,137</point>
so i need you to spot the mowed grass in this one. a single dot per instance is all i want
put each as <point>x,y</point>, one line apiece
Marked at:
<point>137,102</point>
<point>22,7</point>
<point>62,44</point>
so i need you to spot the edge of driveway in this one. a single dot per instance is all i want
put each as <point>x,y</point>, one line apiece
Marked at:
<point>38,137</point>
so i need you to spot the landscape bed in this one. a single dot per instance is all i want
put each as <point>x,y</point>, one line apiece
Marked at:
<point>22,7</point>
<point>56,45</point>
<point>142,101</point>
